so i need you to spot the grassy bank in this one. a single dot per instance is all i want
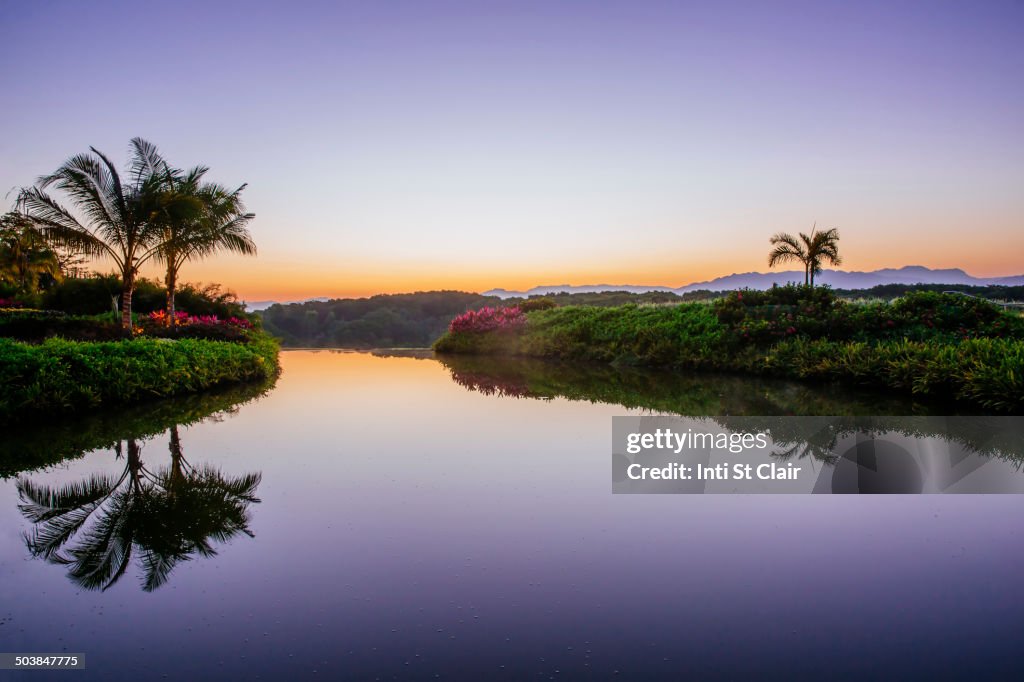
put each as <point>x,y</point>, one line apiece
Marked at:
<point>59,376</point>
<point>928,345</point>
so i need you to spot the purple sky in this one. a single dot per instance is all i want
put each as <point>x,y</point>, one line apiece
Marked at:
<point>404,145</point>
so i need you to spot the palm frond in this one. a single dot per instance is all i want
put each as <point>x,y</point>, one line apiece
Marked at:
<point>116,193</point>
<point>787,248</point>
<point>156,568</point>
<point>103,554</point>
<point>41,502</point>
<point>146,163</point>
<point>59,227</point>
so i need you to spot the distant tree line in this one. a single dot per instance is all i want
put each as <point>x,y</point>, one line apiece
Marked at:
<point>417,320</point>
<point>993,292</point>
<point>390,320</point>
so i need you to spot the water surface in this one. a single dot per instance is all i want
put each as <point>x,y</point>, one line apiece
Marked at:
<point>396,517</point>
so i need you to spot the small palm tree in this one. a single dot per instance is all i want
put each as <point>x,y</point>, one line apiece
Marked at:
<point>121,218</point>
<point>810,250</point>
<point>220,225</point>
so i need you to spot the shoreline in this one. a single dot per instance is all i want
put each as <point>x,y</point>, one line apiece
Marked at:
<point>933,346</point>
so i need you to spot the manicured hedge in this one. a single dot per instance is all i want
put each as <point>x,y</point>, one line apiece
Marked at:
<point>59,376</point>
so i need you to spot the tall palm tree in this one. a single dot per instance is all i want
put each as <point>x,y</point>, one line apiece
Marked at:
<point>220,225</point>
<point>121,219</point>
<point>808,249</point>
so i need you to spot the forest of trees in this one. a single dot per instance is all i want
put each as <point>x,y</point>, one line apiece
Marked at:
<point>385,321</point>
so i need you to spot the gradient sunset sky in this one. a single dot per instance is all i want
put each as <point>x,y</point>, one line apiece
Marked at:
<point>401,146</point>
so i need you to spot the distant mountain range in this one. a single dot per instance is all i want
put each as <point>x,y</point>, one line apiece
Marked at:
<point>263,305</point>
<point>837,279</point>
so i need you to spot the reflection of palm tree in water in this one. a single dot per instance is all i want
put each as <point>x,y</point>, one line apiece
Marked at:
<point>165,516</point>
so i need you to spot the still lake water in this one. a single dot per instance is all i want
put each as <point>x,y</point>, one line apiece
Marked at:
<point>394,517</point>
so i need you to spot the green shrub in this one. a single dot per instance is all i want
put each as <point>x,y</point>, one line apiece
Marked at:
<point>210,332</point>
<point>29,314</point>
<point>984,372</point>
<point>767,317</point>
<point>59,376</point>
<point>37,325</point>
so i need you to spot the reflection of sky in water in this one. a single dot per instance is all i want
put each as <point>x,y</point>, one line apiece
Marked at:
<point>410,527</point>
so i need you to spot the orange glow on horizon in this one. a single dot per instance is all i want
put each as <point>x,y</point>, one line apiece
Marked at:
<point>283,280</point>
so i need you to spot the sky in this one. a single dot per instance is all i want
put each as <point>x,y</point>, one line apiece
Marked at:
<point>404,146</point>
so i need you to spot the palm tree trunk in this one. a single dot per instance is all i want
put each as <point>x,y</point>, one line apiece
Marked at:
<point>177,459</point>
<point>171,281</point>
<point>126,303</point>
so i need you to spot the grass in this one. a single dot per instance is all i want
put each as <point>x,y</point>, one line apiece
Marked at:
<point>59,376</point>
<point>928,345</point>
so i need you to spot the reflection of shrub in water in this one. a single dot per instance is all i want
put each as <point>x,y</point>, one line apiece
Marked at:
<point>491,385</point>
<point>709,396</point>
<point>694,394</point>
<point>46,444</point>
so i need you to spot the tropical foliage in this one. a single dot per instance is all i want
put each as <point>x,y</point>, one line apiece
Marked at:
<point>152,211</point>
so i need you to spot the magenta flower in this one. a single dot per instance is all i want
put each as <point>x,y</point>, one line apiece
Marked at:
<point>487,319</point>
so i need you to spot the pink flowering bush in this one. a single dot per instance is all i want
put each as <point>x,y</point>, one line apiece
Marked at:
<point>209,327</point>
<point>182,318</point>
<point>488,319</point>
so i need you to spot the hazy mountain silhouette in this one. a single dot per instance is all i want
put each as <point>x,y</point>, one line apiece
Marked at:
<point>263,305</point>
<point>838,279</point>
